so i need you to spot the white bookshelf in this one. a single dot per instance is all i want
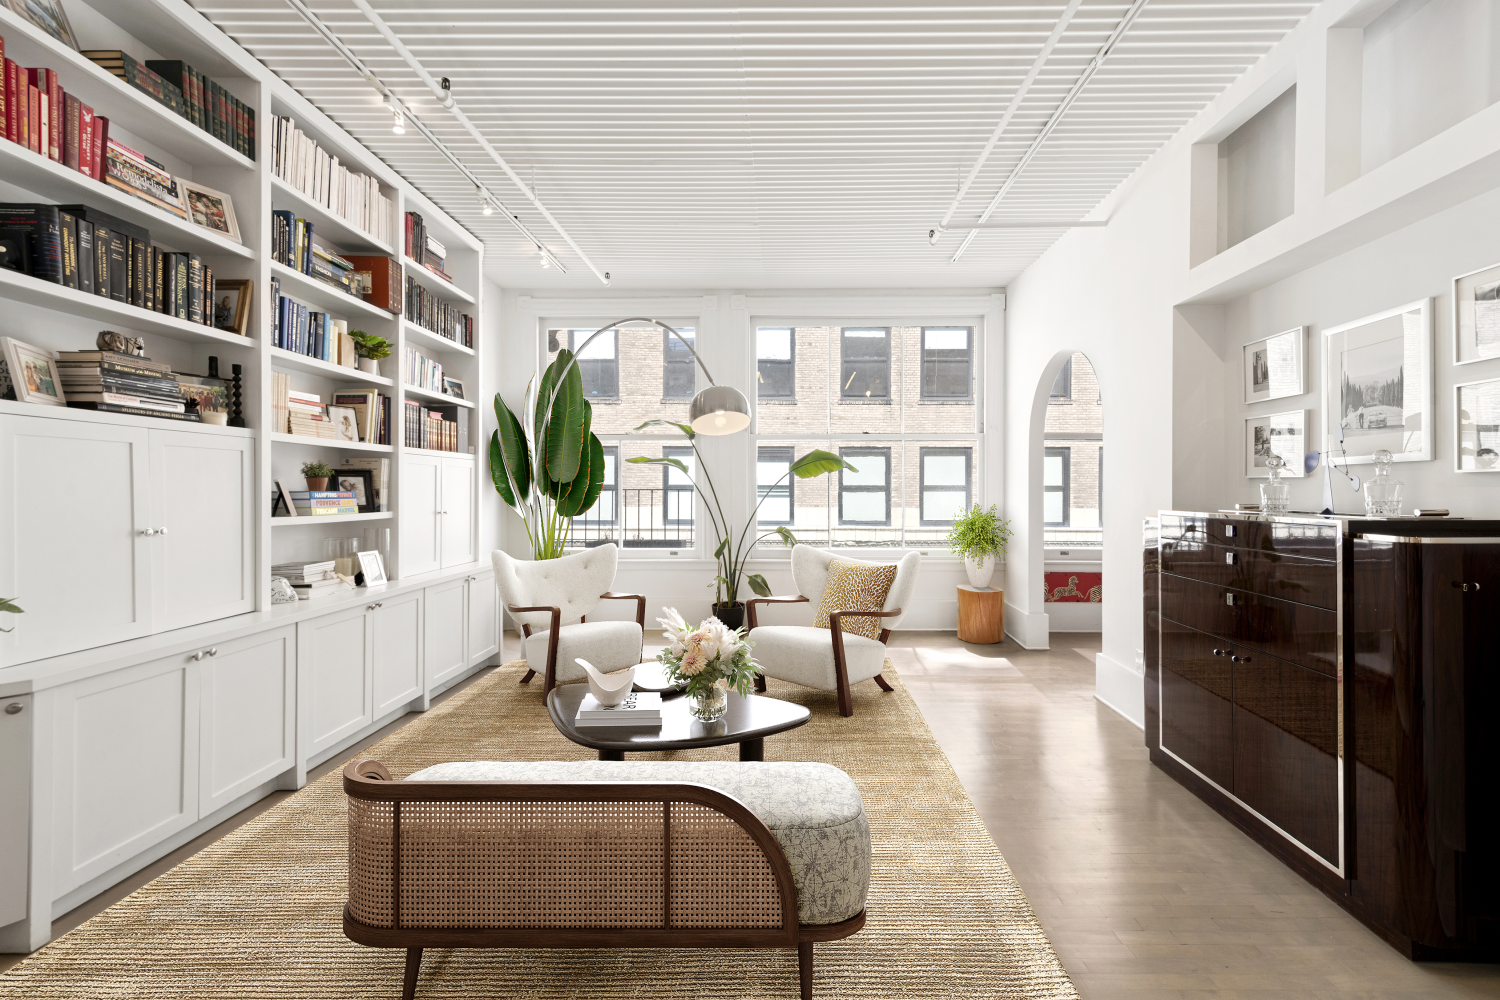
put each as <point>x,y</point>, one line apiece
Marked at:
<point>284,359</point>
<point>312,292</point>
<point>328,520</point>
<point>326,225</point>
<point>427,342</point>
<point>435,284</point>
<point>437,397</point>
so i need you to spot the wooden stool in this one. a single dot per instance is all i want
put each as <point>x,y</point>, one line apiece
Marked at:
<point>981,614</point>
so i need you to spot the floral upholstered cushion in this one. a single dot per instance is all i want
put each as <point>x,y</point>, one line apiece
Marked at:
<point>813,810</point>
<point>856,586</point>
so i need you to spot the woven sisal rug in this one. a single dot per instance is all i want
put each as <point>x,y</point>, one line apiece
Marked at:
<point>257,914</point>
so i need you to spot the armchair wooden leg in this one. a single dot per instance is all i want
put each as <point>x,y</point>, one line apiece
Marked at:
<point>526,677</point>
<point>760,683</point>
<point>885,685</point>
<point>805,967</point>
<point>846,698</point>
<point>414,965</point>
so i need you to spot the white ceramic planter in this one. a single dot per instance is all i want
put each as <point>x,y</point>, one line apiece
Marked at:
<point>980,570</point>
<point>369,366</point>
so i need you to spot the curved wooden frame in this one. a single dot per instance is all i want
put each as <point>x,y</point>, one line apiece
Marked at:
<point>550,673</point>
<point>840,660</point>
<point>370,780</point>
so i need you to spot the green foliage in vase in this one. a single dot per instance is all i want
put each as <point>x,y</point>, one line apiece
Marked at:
<point>368,345</point>
<point>979,532</point>
<point>697,658</point>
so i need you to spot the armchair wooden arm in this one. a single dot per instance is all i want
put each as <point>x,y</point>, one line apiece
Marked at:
<point>550,678</point>
<point>841,664</point>
<point>640,605</point>
<point>785,599</point>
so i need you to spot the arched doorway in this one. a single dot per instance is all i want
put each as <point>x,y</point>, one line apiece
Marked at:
<point>1073,499</point>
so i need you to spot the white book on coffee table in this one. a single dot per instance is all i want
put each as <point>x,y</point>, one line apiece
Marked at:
<point>640,708</point>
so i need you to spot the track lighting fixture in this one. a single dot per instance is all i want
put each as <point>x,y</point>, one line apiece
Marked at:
<point>486,207</point>
<point>398,121</point>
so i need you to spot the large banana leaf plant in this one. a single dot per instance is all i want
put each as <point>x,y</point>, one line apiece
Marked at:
<point>551,469</point>
<point>731,552</point>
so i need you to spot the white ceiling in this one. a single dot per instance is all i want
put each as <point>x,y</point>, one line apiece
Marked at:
<point>699,144</point>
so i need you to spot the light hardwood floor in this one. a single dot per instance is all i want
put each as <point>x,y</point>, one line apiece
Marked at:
<point>1144,891</point>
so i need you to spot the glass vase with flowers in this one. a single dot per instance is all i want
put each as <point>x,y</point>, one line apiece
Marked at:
<point>706,660</point>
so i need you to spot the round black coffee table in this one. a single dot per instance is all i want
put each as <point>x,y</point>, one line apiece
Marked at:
<point>748,722</point>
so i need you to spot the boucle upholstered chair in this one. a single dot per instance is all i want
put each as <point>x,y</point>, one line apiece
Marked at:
<point>828,659</point>
<point>605,854</point>
<point>548,592</point>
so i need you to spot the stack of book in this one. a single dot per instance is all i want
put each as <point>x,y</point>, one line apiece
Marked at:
<point>639,710</point>
<point>351,196</point>
<point>424,249</point>
<point>307,416</point>
<point>430,429</point>
<point>323,503</point>
<point>331,269</point>
<point>41,116</point>
<point>309,580</point>
<point>186,92</point>
<point>121,383</point>
<point>442,317</point>
<point>421,371</point>
<point>296,328</point>
<point>291,240</point>
<point>136,174</point>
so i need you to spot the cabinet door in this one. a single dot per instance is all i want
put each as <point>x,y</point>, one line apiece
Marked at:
<point>333,682</point>
<point>443,631</point>
<point>1197,708</point>
<point>201,503</point>
<point>457,521</point>
<point>15,818</point>
<point>248,724</point>
<point>484,618</point>
<point>396,651</point>
<point>125,763</point>
<point>73,505</point>
<point>421,490</point>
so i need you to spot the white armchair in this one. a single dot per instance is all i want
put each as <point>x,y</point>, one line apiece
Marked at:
<point>828,659</point>
<point>544,594</point>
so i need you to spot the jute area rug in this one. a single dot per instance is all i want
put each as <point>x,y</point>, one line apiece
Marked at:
<point>257,914</point>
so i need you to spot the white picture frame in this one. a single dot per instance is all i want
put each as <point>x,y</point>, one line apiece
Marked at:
<point>1476,316</point>
<point>345,423</point>
<point>1275,367</point>
<point>1283,434</point>
<point>1476,424</point>
<point>209,208</point>
<point>372,567</point>
<point>32,373</point>
<point>1377,386</point>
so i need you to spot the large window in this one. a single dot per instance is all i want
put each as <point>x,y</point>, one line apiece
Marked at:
<point>865,495</point>
<point>601,522</point>
<point>775,363</point>
<point>865,355</point>
<point>598,364</point>
<point>947,362</point>
<point>1056,501</point>
<point>679,375</point>
<point>947,483</point>
<point>774,486</point>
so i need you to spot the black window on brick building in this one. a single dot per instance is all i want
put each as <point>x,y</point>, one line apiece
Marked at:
<point>773,486</point>
<point>775,363</point>
<point>865,363</point>
<point>947,362</point>
<point>679,374</point>
<point>599,364</point>
<point>865,495</point>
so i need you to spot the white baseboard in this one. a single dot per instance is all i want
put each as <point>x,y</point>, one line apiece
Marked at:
<point>1070,616</point>
<point>1030,630</point>
<point>1121,688</point>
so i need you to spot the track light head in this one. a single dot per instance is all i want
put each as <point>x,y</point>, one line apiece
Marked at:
<point>398,121</point>
<point>486,207</point>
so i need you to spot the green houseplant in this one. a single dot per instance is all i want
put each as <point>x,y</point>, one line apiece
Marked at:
<point>316,474</point>
<point>732,552</point>
<point>564,478</point>
<point>371,349</point>
<point>979,535</point>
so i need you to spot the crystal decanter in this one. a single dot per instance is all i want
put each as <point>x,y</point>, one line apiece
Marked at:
<point>1275,496</point>
<point>1382,493</point>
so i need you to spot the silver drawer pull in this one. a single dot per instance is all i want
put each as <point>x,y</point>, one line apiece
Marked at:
<point>1221,652</point>
<point>1228,531</point>
<point>14,708</point>
<point>1466,587</point>
<point>377,604</point>
<point>1231,558</point>
<point>1239,659</point>
<point>148,532</point>
<point>1231,599</point>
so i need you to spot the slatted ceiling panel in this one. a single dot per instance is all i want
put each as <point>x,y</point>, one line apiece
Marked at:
<point>766,145</point>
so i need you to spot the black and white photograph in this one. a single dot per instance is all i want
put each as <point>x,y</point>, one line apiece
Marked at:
<point>1283,434</point>
<point>359,482</point>
<point>1477,409</point>
<point>1476,316</point>
<point>1275,367</point>
<point>372,567</point>
<point>1378,386</point>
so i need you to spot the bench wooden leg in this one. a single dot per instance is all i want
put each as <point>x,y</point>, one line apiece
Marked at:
<point>413,966</point>
<point>885,685</point>
<point>805,967</point>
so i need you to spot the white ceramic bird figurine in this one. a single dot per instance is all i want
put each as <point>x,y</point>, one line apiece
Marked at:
<point>608,689</point>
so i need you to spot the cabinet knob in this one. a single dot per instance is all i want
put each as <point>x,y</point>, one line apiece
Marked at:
<point>1220,652</point>
<point>14,708</point>
<point>161,531</point>
<point>1239,659</point>
<point>1465,587</point>
<point>198,656</point>
<point>148,532</point>
<point>214,651</point>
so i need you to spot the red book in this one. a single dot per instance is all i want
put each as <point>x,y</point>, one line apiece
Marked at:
<point>101,136</point>
<point>55,124</point>
<point>85,139</point>
<point>70,131</point>
<point>12,103</point>
<point>5,97</point>
<point>33,119</point>
<point>44,122</point>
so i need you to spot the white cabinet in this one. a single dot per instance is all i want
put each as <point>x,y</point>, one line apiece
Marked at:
<point>15,791</point>
<point>333,685</point>
<point>247,715</point>
<point>484,617</point>
<point>396,651</point>
<point>444,631</point>
<point>437,512</point>
<point>456,512</point>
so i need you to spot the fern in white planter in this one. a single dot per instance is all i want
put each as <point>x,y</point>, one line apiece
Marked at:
<point>979,535</point>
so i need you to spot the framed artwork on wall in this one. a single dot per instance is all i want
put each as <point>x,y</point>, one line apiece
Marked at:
<point>1477,414</point>
<point>1283,434</point>
<point>1476,315</point>
<point>1377,383</point>
<point>1276,367</point>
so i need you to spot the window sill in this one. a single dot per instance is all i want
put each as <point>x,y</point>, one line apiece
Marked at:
<point>861,401</point>
<point>955,401</point>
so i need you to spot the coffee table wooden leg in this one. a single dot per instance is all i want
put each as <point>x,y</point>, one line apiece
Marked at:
<point>611,754</point>
<point>753,749</point>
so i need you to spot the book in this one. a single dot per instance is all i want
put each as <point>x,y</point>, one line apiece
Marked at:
<point>101,139</point>
<point>84,153</point>
<point>71,131</point>
<point>87,259</point>
<point>139,76</point>
<point>326,511</point>
<point>323,494</point>
<point>640,709</point>
<point>68,234</point>
<point>137,411</point>
<point>42,225</point>
<point>112,358</point>
<point>126,399</point>
<point>380,281</point>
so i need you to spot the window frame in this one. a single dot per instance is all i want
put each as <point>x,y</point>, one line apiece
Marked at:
<point>844,396</point>
<point>856,450</point>
<point>1065,489</point>
<point>790,363</point>
<point>610,487</point>
<point>1066,378</point>
<point>923,360</point>
<point>967,489</point>
<point>615,361</point>
<point>668,488</point>
<point>789,487</point>
<point>668,362</point>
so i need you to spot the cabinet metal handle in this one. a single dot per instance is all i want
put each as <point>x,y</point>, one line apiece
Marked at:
<point>214,651</point>
<point>1221,652</point>
<point>1231,558</point>
<point>1228,531</point>
<point>148,532</point>
<point>377,604</point>
<point>198,656</point>
<point>14,708</point>
<point>161,531</point>
<point>1465,586</point>
<point>1231,599</point>
<point>1239,659</point>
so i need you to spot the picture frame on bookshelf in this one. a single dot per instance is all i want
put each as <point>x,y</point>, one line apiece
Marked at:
<point>372,567</point>
<point>32,372</point>
<point>210,394</point>
<point>210,209</point>
<point>453,387</point>
<point>232,298</point>
<point>49,16</point>
<point>360,482</point>
<point>345,423</point>
<point>283,501</point>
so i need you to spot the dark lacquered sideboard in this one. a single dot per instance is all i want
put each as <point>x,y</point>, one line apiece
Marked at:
<point>1328,685</point>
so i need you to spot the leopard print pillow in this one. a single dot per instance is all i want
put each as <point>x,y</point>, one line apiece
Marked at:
<point>856,586</point>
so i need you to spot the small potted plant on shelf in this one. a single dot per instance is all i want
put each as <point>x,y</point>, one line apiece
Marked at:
<point>979,536</point>
<point>371,350</point>
<point>706,661</point>
<point>317,474</point>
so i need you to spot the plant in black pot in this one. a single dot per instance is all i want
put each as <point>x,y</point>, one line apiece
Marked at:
<point>733,551</point>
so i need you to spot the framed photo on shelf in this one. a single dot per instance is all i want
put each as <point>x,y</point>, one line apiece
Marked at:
<point>345,423</point>
<point>1283,434</point>
<point>1276,366</point>
<point>232,297</point>
<point>282,501</point>
<point>1476,315</point>
<point>210,209</point>
<point>360,482</point>
<point>32,373</point>
<point>1477,415</point>
<point>453,387</point>
<point>371,566</point>
<point>1377,383</point>
<point>49,16</point>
